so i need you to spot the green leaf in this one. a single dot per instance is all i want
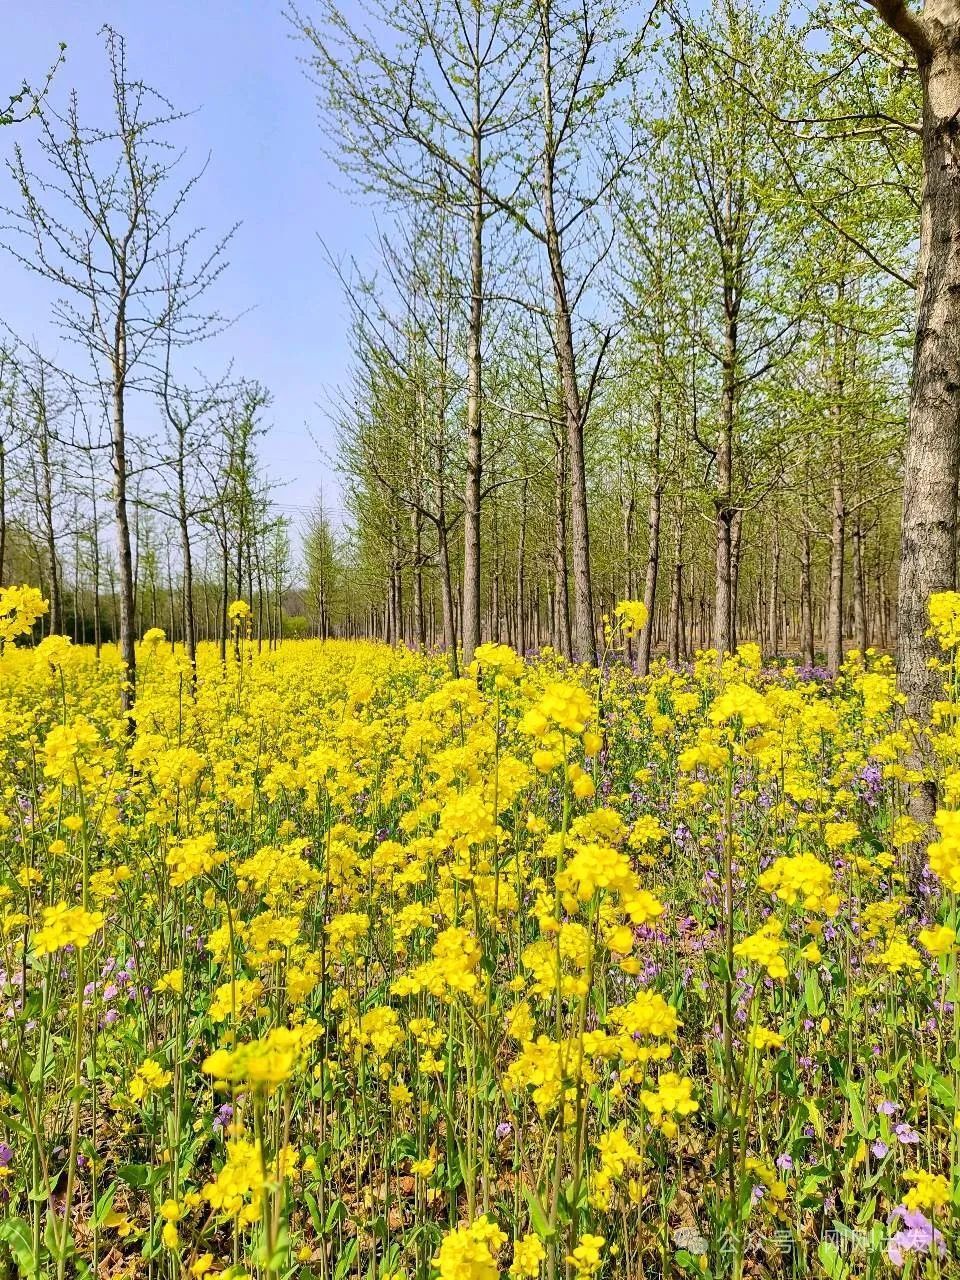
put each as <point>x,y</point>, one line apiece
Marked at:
<point>314,1210</point>
<point>344,1264</point>
<point>538,1218</point>
<point>336,1213</point>
<point>813,995</point>
<point>940,1086</point>
<point>852,1093</point>
<point>104,1205</point>
<point>831,1261</point>
<point>134,1175</point>
<point>17,1236</point>
<point>816,1119</point>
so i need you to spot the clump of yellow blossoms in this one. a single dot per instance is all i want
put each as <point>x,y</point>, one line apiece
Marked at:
<point>563,706</point>
<point>150,1078</point>
<point>632,615</point>
<point>470,1252</point>
<point>944,854</point>
<point>944,612</point>
<point>802,877</point>
<point>20,607</point>
<point>263,1064</point>
<point>765,948</point>
<point>65,926</point>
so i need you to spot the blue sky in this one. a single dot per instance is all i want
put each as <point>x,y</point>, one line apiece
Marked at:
<point>234,63</point>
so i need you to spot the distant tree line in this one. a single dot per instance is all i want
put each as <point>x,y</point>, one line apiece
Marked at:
<point>665,307</point>
<point>641,325</point>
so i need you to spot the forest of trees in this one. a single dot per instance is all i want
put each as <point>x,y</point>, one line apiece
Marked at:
<point>642,325</point>
<point>647,321</point>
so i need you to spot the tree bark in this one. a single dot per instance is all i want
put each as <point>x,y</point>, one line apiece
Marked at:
<point>653,538</point>
<point>3,511</point>
<point>562,640</point>
<point>773,632</point>
<point>472,491</point>
<point>838,517</point>
<point>585,640</point>
<point>724,605</point>
<point>124,552</point>
<point>446,597</point>
<point>859,590</point>
<point>49,532</point>
<point>674,620</point>
<point>521,628</point>
<point>928,544</point>
<point>806,601</point>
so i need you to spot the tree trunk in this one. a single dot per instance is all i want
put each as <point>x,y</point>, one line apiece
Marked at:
<point>724,604</point>
<point>674,621</point>
<point>97,623</point>
<point>628,506</point>
<point>472,492</point>
<point>521,627</point>
<point>773,632</point>
<point>189,617</point>
<point>653,564</point>
<point>3,511</point>
<point>859,591</point>
<point>124,552</point>
<point>928,544</point>
<point>838,519</point>
<point>585,646</point>
<point>736,551</point>
<point>562,640</point>
<point>419,617</point>
<point>224,600</point>
<point>806,602</point>
<point>446,597</point>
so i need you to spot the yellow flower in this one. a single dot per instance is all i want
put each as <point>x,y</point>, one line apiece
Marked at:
<point>632,615</point>
<point>765,1176</point>
<point>740,702</point>
<point>939,940</point>
<point>944,610</point>
<point>673,1095</point>
<point>563,706</point>
<point>172,981</point>
<point>192,858</point>
<point>763,1038</point>
<point>586,1258</point>
<point>263,1064</point>
<point>65,926</point>
<point>528,1254</point>
<point>944,854</point>
<point>929,1190</point>
<point>802,877</point>
<point>150,1078</point>
<point>765,948</point>
<point>498,658</point>
<point>470,1252</point>
<point>20,607</point>
<point>897,956</point>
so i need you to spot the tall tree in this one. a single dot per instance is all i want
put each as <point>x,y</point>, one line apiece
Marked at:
<point>422,109</point>
<point>928,543</point>
<point>732,170</point>
<point>100,221</point>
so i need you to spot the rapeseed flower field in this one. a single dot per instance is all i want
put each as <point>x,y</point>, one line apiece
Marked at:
<point>338,966</point>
